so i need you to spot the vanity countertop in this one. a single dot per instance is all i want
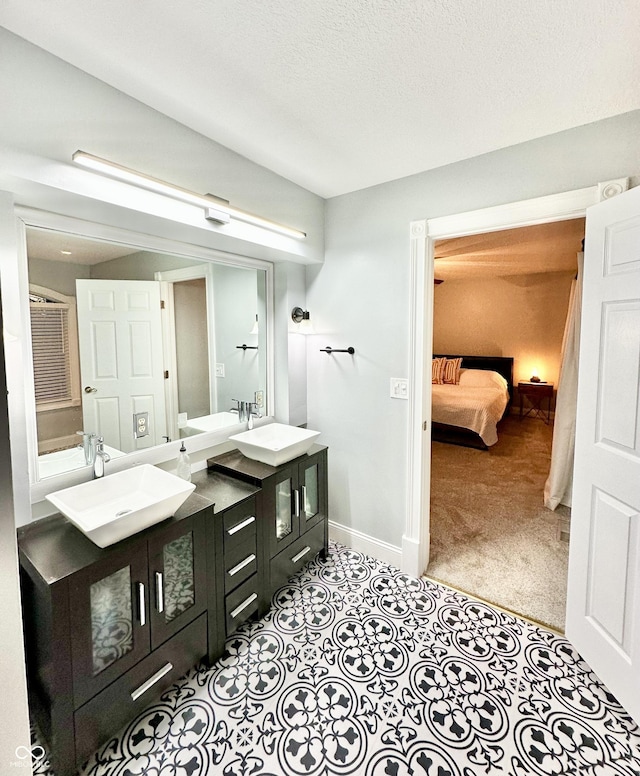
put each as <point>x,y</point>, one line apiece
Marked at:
<point>251,471</point>
<point>56,548</point>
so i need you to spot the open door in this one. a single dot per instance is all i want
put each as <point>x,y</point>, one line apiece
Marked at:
<point>603,600</point>
<point>121,358</point>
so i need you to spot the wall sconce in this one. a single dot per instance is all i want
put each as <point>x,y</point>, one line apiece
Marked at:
<point>216,209</point>
<point>302,318</point>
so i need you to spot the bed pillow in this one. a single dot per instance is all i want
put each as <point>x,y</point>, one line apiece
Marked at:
<point>451,372</point>
<point>481,378</point>
<point>437,369</point>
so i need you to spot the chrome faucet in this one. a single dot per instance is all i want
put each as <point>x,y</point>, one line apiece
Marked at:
<point>100,457</point>
<point>87,446</point>
<point>241,409</point>
<point>246,412</point>
<point>251,413</point>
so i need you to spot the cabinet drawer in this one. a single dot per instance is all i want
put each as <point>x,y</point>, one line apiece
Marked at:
<point>105,714</point>
<point>239,564</point>
<point>294,557</point>
<point>239,524</point>
<point>242,603</point>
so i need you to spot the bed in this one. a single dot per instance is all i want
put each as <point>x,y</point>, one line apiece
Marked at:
<point>468,412</point>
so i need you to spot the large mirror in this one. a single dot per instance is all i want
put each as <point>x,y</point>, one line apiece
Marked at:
<point>137,346</point>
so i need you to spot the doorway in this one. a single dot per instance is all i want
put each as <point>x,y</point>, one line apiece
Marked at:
<point>502,294</point>
<point>423,234</point>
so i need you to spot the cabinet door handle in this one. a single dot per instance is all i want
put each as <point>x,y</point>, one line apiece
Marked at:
<point>239,526</point>
<point>296,503</point>
<point>159,591</point>
<point>249,559</point>
<point>243,605</point>
<point>300,555</point>
<point>142,604</point>
<point>303,499</point>
<point>151,681</point>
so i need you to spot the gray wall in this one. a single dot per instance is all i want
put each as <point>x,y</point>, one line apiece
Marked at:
<point>360,296</point>
<point>51,109</point>
<point>235,306</point>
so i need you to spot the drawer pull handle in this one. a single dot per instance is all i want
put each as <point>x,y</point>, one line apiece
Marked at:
<point>249,559</point>
<point>142,605</point>
<point>243,605</point>
<point>300,555</point>
<point>159,591</point>
<point>151,681</point>
<point>239,526</point>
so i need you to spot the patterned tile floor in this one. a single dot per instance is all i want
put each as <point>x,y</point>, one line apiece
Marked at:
<point>361,669</point>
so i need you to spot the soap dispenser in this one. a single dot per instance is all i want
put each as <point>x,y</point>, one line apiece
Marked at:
<point>183,468</point>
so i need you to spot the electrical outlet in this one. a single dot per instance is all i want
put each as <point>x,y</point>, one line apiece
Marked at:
<point>399,388</point>
<point>258,398</point>
<point>219,370</point>
<point>140,425</point>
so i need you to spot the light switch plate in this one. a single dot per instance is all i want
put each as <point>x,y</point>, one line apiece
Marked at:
<point>399,388</point>
<point>258,398</point>
<point>219,370</point>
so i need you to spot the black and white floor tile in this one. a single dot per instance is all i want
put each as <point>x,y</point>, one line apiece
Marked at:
<point>361,669</point>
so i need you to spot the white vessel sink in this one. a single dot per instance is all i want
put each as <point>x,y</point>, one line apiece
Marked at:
<point>212,422</point>
<point>275,443</point>
<point>50,464</point>
<point>111,508</point>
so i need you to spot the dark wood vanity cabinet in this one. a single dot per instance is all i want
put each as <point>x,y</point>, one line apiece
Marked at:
<point>107,630</point>
<point>292,502</point>
<point>130,602</point>
<point>239,588</point>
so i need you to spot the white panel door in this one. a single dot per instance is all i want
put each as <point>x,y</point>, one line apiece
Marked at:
<point>603,600</point>
<point>121,360</point>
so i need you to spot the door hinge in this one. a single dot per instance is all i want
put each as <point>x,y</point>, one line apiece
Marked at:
<point>424,425</point>
<point>166,374</point>
<point>162,304</point>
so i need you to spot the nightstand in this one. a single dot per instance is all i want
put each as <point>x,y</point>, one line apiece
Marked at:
<point>536,393</point>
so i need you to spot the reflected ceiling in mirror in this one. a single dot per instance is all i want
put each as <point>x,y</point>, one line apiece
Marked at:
<point>137,346</point>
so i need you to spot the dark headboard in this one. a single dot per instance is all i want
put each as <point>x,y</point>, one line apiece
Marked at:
<point>499,364</point>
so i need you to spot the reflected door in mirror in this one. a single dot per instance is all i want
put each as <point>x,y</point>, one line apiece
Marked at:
<point>120,335</point>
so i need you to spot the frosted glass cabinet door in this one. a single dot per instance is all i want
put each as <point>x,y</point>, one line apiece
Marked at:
<point>310,492</point>
<point>177,577</point>
<point>313,490</point>
<point>109,620</point>
<point>178,590</point>
<point>284,516</point>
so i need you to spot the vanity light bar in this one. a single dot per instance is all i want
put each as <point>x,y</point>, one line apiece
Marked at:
<point>216,210</point>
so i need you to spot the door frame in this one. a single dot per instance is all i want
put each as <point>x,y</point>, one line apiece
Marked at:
<point>423,234</point>
<point>167,278</point>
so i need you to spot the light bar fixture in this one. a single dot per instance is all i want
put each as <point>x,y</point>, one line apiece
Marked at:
<point>216,209</point>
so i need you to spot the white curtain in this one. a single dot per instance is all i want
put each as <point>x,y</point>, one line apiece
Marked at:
<point>558,487</point>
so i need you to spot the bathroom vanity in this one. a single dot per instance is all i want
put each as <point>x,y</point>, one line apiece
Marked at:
<point>107,630</point>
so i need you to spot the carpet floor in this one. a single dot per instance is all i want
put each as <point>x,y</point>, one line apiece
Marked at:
<point>491,535</point>
<point>359,669</point>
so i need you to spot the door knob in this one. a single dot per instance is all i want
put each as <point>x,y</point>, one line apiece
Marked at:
<point>89,389</point>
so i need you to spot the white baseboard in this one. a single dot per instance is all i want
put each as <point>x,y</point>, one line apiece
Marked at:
<point>382,551</point>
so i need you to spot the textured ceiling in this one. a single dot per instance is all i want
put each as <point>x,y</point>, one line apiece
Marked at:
<point>49,245</point>
<point>338,95</point>
<point>526,251</point>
